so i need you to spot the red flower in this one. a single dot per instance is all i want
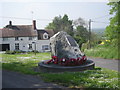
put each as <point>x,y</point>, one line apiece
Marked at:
<point>67,62</point>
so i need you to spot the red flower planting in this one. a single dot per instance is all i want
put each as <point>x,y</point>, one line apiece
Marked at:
<point>67,62</point>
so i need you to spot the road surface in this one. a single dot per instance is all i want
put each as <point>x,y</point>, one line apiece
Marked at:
<point>12,79</point>
<point>106,63</point>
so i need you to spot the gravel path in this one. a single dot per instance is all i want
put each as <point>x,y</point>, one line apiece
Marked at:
<point>12,79</point>
<point>106,63</point>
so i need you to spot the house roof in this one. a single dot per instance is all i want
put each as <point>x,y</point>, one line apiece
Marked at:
<point>18,31</point>
<point>50,32</point>
<point>42,31</point>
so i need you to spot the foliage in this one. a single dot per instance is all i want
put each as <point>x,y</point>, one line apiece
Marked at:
<point>61,24</point>
<point>19,51</point>
<point>112,31</point>
<point>106,51</point>
<point>13,52</point>
<point>81,35</point>
<point>80,22</point>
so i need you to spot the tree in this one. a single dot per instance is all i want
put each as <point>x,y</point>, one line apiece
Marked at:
<point>61,24</point>
<point>80,22</point>
<point>113,30</point>
<point>81,34</point>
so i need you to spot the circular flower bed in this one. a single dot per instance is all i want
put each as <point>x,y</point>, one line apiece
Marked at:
<point>67,62</point>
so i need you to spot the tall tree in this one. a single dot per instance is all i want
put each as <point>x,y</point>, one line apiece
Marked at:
<point>113,30</point>
<point>61,24</point>
<point>80,22</point>
<point>81,35</point>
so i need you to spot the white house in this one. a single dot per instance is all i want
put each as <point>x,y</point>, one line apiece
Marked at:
<point>24,38</point>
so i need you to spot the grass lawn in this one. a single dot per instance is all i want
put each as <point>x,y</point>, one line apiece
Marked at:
<point>106,52</point>
<point>25,63</point>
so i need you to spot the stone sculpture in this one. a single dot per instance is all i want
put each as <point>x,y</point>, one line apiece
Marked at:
<point>65,50</point>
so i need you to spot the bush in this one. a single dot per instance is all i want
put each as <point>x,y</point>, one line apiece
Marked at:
<point>14,52</point>
<point>9,52</point>
<point>34,51</point>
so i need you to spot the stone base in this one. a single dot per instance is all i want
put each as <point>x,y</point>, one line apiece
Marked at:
<point>55,68</point>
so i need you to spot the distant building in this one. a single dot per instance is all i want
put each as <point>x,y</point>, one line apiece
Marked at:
<point>24,38</point>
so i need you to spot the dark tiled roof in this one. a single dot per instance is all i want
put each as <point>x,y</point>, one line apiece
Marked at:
<point>50,32</point>
<point>42,31</point>
<point>18,31</point>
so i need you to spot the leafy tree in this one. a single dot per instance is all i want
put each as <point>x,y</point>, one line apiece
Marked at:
<point>113,30</point>
<point>61,24</point>
<point>81,35</point>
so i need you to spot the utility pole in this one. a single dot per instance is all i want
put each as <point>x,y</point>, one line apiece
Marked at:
<point>89,33</point>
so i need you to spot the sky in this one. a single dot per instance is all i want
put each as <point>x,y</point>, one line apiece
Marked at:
<point>23,12</point>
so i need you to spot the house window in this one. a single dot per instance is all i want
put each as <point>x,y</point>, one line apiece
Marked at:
<point>30,38</point>
<point>30,46</point>
<point>5,39</point>
<point>45,36</point>
<point>16,38</point>
<point>16,46</point>
<point>45,47</point>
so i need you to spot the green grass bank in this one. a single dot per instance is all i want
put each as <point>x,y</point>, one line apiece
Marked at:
<point>102,51</point>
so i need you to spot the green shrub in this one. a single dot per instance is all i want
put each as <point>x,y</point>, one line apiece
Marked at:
<point>14,52</point>
<point>9,52</point>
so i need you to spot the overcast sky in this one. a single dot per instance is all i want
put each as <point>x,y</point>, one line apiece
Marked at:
<point>20,13</point>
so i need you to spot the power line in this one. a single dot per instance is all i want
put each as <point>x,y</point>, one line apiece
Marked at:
<point>26,18</point>
<point>100,22</point>
<point>101,17</point>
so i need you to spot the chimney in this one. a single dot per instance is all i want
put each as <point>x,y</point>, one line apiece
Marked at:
<point>34,24</point>
<point>10,23</point>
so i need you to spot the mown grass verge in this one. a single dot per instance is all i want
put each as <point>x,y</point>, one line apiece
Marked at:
<point>106,52</point>
<point>25,63</point>
<point>103,78</point>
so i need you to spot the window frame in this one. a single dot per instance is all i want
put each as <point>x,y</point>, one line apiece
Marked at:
<point>30,46</point>
<point>45,48</point>
<point>5,39</point>
<point>45,36</point>
<point>17,46</point>
<point>16,38</point>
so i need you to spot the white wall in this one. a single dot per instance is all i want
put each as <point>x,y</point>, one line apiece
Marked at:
<point>39,44</point>
<point>23,44</point>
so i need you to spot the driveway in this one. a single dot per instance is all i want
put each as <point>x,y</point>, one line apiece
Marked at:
<point>12,79</point>
<point>106,63</point>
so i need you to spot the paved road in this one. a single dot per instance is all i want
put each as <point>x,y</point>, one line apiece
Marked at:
<point>106,63</point>
<point>17,80</point>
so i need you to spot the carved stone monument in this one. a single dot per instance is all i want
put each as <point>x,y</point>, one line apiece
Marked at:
<point>66,55</point>
<point>64,46</point>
